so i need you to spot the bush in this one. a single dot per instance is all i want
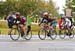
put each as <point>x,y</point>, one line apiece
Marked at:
<point>3,24</point>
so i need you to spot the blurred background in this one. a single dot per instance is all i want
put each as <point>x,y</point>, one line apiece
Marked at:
<point>37,7</point>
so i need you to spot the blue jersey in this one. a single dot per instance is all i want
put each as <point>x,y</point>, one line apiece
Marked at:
<point>10,19</point>
<point>54,23</point>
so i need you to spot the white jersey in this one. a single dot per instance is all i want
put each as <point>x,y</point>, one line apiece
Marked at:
<point>68,22</point>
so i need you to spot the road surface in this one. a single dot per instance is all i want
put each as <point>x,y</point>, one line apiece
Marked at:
<point>35,44</point>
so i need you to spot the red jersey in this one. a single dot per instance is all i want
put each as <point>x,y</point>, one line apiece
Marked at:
<point>60,22</point>
<point>21,19</point>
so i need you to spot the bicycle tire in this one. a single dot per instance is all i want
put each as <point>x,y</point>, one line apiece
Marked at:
<point>72,36</point>
<point>17,36</point>
<point>26,36</point>
<point>40,36</point>
<point>53,32</point>
<point>62,33</point>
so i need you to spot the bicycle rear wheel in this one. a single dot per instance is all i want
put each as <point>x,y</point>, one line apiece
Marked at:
<point>42,34</point>
<point>53,34</point>
<point>62,34</point>
<point>72,34</point>
<point>14,34</point>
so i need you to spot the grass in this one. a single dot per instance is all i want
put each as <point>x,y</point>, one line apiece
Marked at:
<point>4,28</point>
<point>4,31</point>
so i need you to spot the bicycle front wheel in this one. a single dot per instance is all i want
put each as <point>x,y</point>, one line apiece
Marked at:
<point>14,34</point>
<point>42,34</point>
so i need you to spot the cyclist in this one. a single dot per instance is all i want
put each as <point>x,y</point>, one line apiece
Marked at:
<point>60,22</point>
<point>71,19</point>
<point>29,23</point>
<point>54,23</point>
<point>10,19</point>
<point>46,16</point>
<point>67,24</point>
<point>21,21</point>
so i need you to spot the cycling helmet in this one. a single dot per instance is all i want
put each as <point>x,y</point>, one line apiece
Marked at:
<point>45,13</point>
<point>17,14</point>
<point>50,14</point>
<point>61,15</point>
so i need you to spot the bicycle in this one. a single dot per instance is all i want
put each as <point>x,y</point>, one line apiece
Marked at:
<point>15,32</point>
<point>65,32</point>
<point>44,31</point>
<point>71,32</point>
<point>53,33</point>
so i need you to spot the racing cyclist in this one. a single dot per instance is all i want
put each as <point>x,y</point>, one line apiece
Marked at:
<point>67,25</point>
<point>46,16</point>
<point>21,21</point>
<point>10,19</point>
<point>30,18</point>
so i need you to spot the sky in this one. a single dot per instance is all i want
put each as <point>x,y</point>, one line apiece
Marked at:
<point>60,4</point>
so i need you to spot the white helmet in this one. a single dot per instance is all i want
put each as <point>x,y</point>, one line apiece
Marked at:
<point>50,14</point>
<point>45,13</point>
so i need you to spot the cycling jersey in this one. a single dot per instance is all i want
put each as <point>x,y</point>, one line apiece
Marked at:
<point>44,20</point>
<point>47,19</point>
<point>21,20</point>
<point>60,22</point>
<point>68,22</point>
<point>10,20</point>
<point>54,23</point>
<point>29,21</point>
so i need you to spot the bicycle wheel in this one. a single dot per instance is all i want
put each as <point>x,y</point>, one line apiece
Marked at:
<point>72,34</point>
<point>28,36</point>
<point>14,34</point>
<point>62,34</point>
<point>42,34</point>
<point>53,34</point>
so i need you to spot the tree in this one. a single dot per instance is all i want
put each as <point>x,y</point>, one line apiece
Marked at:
<point>70,4</point>
<point>26,7</point>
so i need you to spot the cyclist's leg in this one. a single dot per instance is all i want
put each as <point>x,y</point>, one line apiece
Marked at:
<point>70,33</point>
<point>9,28</point>
<point>68,30</point>
<point>22,28</point>
<point>60,29</point>
<point>29,29</point>
<point>49,25</point>
<point>48,28</point>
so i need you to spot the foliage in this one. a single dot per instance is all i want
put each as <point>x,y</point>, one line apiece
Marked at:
<point>26,7</point>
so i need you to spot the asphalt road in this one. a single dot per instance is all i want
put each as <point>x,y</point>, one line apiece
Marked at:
<point>35,44</point>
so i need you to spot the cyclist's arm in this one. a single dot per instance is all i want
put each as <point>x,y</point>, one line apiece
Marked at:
<point>41,21</point>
